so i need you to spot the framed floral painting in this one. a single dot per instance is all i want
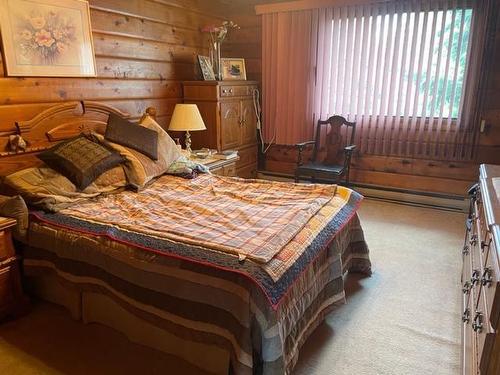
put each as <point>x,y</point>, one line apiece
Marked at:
<point>47,38</point>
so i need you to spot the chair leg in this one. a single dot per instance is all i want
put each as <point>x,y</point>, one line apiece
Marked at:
<point>296,177</point>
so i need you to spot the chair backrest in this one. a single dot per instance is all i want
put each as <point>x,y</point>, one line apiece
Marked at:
<point>339,133</point>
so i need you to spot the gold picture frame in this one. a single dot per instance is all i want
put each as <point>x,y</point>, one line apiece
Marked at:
<point>47,38</point>
<point>207,70</point>
<point>233,69</point>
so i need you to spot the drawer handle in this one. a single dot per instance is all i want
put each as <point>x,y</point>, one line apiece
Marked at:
<point>231,91</point>
<point>485,245</point>
<point>466,288</point>
<point>473,240</point>
<point>475,277</point>
<point>465,250</point>
<point>477,324</point>
<point>487,279</point>
<point>468,224</point>
<point>466,316</point>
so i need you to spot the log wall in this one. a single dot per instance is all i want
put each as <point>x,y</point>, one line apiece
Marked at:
<point>143,48</point>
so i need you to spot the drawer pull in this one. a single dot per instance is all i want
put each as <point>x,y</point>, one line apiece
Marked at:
<point>466,288</point>
<point>468,224</point>
<point>473,240</point>
<point>475,277</point>
<point>484,245</point>
<point>466,316</point>
<point>477,324</point>
<point>487,279</point>
<point>465,250</point>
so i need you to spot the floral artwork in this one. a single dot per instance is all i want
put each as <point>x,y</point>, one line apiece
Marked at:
<point>47,38</point>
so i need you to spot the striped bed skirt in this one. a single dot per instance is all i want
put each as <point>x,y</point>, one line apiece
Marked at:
<point>217,320</point>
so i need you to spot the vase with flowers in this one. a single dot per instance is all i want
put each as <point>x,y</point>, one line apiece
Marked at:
<point>217,35</point>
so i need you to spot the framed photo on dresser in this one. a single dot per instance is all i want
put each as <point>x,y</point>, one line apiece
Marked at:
<point>47,38</point>
<point>206,68</point>
<point>233,69</point>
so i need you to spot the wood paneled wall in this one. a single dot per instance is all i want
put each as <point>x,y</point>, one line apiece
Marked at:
<point>144,49</point>
<point>404,173</point>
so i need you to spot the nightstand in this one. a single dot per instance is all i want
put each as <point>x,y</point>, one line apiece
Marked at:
<point>221,167</point>
<point>12,299</point>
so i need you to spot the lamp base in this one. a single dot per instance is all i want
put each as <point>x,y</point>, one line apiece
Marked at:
<point>188,143</point>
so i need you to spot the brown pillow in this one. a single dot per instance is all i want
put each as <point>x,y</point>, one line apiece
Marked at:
<point>80,160</point>
<point>131,135</point>
<point>140,169</point>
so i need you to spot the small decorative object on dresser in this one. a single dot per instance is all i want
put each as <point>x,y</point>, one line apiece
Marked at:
<point>481,277</point>
<point>233,69</point>
<point>206,68</point>
<point>229,115</point>
<point>12,300</point>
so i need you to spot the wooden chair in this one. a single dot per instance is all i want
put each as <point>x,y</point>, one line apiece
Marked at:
<point>332,162</point>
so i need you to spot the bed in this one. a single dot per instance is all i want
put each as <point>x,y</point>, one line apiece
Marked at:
<point>232,275</point>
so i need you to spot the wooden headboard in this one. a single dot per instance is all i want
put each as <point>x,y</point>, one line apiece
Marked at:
<point>51,126</point>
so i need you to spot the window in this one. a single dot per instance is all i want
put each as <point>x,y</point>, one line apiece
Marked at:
<point>399,70</point>
<point>397,64</point>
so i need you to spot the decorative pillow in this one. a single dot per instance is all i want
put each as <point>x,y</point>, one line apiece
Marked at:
<point>16,208</point>
<point>49,190</point>
<point>80,160</point>
<point>131,135</point>
<point>140,169</point>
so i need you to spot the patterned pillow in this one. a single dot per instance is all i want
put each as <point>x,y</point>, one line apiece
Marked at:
<point>80,160</point>
<point>132,135</point>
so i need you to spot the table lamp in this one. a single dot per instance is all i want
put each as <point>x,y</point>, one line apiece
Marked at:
<point>186,117</point>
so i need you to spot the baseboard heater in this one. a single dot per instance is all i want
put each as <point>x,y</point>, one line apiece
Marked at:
<point>417,198</point>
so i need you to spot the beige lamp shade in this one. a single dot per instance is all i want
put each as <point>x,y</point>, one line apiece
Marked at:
<point>186,117</point>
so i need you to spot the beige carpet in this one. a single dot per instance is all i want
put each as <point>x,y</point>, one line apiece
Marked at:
<point>405,319</point>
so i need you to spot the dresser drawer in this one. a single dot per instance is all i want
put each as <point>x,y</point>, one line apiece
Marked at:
<point>247,156</point>
<point>469,337</point>
<point>485,333</point>
<point>490,281</point>
<point>237,90</point>
<point>6,286</point>
<point>6,249</point>
<point>227,170</point>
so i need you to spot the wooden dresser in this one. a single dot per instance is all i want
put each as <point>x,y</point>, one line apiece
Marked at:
<point>481,277</point>
<point>229,115</point>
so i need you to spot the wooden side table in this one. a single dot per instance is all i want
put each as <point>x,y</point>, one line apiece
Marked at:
<point>12,299</point>
<point>221,167</point>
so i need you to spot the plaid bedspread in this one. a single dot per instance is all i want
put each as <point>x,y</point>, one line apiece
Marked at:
<point>206,300</point>
<point>251,219</point>
<point>133,218</point>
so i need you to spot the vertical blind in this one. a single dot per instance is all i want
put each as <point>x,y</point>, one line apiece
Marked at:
<point>401,70</point>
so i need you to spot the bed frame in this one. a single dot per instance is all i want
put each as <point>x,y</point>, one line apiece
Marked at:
<point>18,149</point>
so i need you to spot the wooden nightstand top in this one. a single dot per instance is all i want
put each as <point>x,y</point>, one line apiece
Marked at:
<point>6,222</point>
<point>216,163</point>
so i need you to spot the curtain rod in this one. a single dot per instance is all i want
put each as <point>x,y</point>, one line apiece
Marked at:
<point>289,6</point>
<point>297,5</point>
